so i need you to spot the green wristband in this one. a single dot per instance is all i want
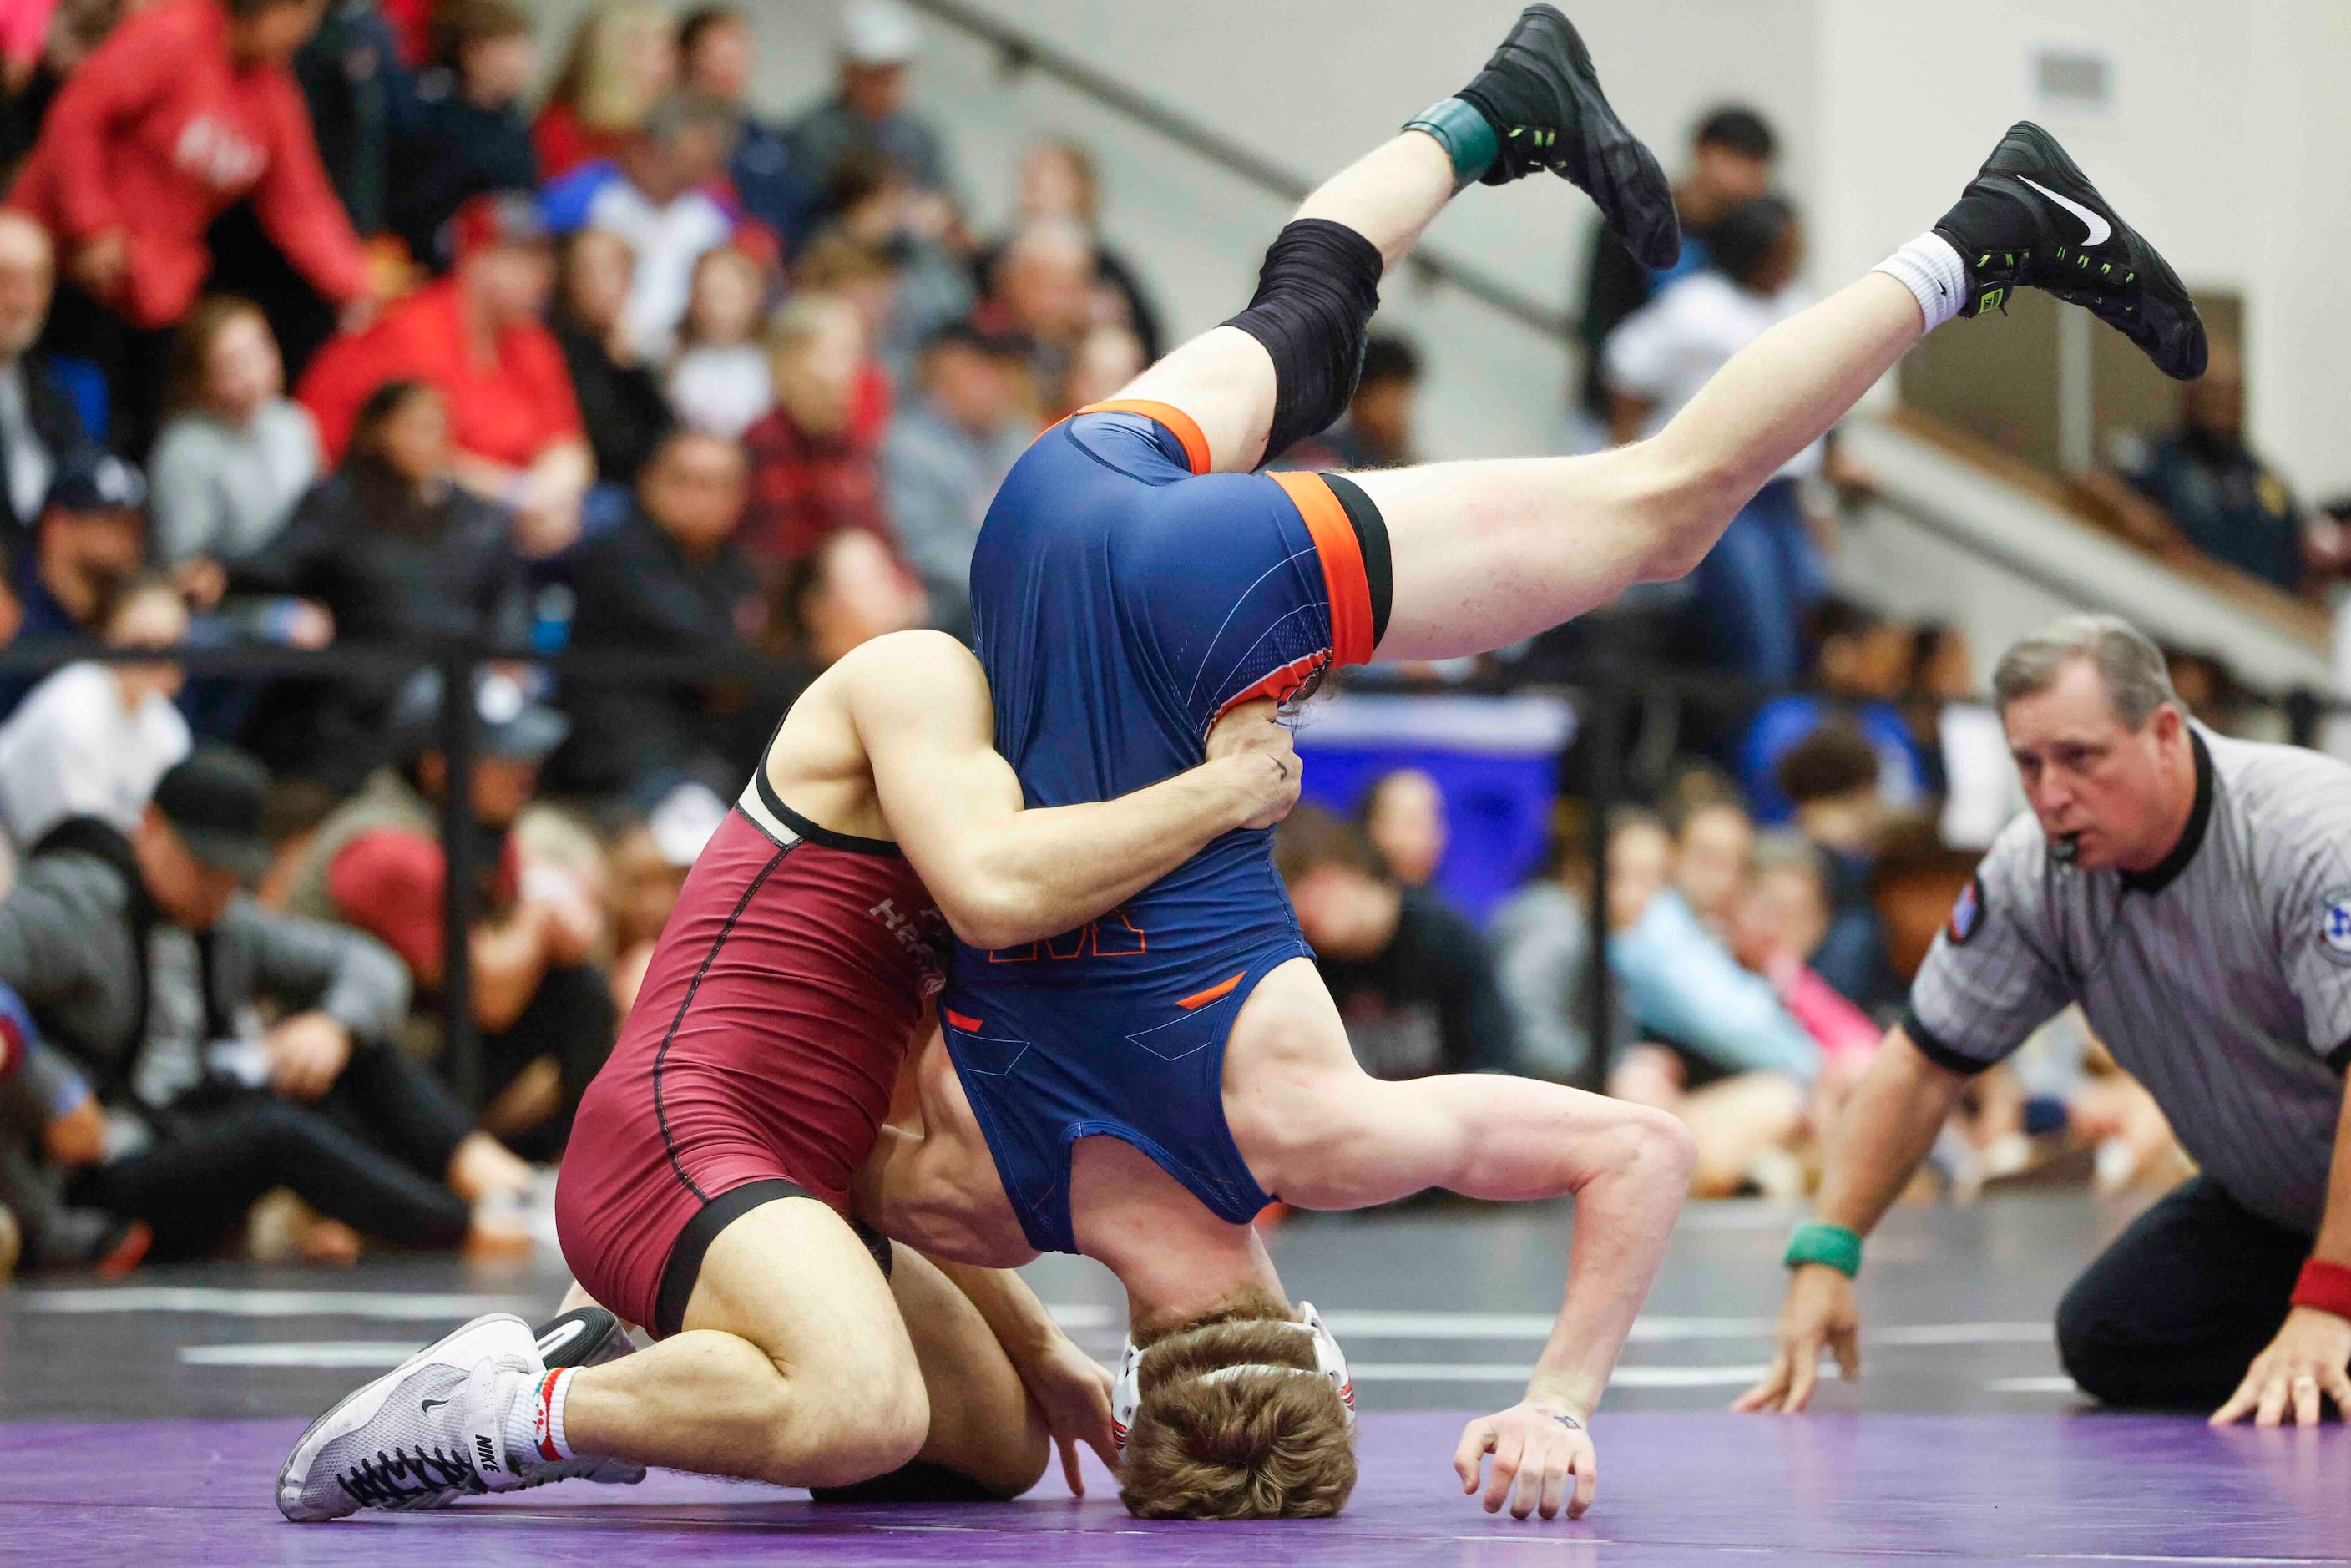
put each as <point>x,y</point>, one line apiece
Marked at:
<point>1834,1245</point>
<point>1464,134</point>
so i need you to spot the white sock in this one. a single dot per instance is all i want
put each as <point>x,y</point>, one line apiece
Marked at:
<point>1934,274</point>
<point>534,1423</point>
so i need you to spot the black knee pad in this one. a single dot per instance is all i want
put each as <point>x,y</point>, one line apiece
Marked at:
<point>1312,309</point>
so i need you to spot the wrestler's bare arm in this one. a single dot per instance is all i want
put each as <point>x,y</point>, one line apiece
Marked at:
<point>930,1181</point>
<point>1003,875</point>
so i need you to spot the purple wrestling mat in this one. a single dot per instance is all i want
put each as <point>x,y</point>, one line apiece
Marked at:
<point>1677,1488</point>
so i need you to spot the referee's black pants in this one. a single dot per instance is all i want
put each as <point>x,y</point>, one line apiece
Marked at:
<point>2174,1311</point>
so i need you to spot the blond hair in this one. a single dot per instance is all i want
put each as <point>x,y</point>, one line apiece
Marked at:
<point>1236,1421</point>
<point>602,78</point>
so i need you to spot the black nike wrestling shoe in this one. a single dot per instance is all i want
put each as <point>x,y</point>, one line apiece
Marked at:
<point>2030,218</point>
<point>1543,99</point>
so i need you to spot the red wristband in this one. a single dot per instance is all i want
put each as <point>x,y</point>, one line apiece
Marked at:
<point>2326,1286</point>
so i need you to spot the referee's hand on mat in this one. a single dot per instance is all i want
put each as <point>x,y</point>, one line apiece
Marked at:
<point>2308,1357</point>
<point>1822,1310</point>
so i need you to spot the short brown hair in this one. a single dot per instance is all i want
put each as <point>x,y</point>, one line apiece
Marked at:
<point>190,355</point>
<point>459,24</point>
<point>1269,1444</point>
<point>1312,838</point>
<point>1831,761</point>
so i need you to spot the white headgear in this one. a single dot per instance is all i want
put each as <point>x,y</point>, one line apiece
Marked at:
<point>1330,1361</point>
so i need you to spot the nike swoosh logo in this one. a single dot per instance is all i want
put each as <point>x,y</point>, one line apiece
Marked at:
<point>558,1338</point>
<point>2100,230</point>
<point>427,1406</point>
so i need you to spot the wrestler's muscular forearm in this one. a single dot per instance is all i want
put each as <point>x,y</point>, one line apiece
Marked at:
<point>1003,875</point>
<point>1885,1131</point>
<point>1627,1169</point>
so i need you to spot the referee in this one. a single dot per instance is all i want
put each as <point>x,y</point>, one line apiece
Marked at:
<point>2193,895</point>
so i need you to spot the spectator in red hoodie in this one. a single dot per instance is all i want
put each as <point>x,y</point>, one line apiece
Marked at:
<point>187,109</point>
<point>477,338</point>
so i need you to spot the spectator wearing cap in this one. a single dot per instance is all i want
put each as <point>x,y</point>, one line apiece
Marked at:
<point>394,551</point>
<point>621,399</point>
<point>471,134</point>
<point>669,581</point>
<point>715,51</point>
<point>41,425</point>
<point>622,58</point>
<point>651,193</point>
<point>1732,151</point>
<point>90,539</point>
<point>1411,976</point>
<point>868,107</point>
<point>144,960</point>
<point>944,455</point>
<point>91,740</point>
<point>186,110</point>
<point>476,337</point>
<point>542,1007</point>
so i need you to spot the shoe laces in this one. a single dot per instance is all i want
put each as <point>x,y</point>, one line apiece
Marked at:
<point>408,1475</point>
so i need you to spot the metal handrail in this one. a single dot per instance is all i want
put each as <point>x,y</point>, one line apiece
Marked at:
<point>1020,51</point>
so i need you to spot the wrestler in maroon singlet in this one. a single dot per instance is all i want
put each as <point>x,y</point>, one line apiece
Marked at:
<point>759,1059</point>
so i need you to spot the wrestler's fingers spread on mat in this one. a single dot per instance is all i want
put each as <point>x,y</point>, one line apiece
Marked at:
<point>1803,1373</point>
<point>1477,1438</point>
<point>1071,1471</point>
<point>1769,1389</point>
<point>2305,1400</point>
<point>1587,1480</point>
<point>1510,1452</point>
<point>1846,1342</point>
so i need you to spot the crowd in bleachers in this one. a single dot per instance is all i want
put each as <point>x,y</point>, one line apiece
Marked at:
<point>320,329</point>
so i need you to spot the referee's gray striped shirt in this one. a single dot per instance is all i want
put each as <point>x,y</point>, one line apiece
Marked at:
<point>2220,979</point>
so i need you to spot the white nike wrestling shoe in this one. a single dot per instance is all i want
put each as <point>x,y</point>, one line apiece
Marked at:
<point>427,1432</point>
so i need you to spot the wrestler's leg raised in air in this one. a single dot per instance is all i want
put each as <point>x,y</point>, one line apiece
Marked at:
<point>801,1364</point>
<point>1483,554</point>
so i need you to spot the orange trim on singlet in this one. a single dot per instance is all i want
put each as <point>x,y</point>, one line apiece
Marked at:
<point>1282,684</point>
<point>1195,445</point>
<point>1222,988</point>
<point>969,1026</point>
<point>1343,577</point>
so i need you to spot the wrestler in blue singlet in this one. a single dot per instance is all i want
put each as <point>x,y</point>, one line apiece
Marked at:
<point>1122,600</point>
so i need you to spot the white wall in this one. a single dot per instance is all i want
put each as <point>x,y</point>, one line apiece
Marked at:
<point>2228,143</point>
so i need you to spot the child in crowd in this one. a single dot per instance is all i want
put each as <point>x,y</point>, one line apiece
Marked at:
<point>1738,1065</point>
<point>721,383</point>
<point>1403,814</point>
<point>92,739</point>
<point>1781,917</point>
<point>816,458</point>
<point>236,454</point>
<point>1712,846</point>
